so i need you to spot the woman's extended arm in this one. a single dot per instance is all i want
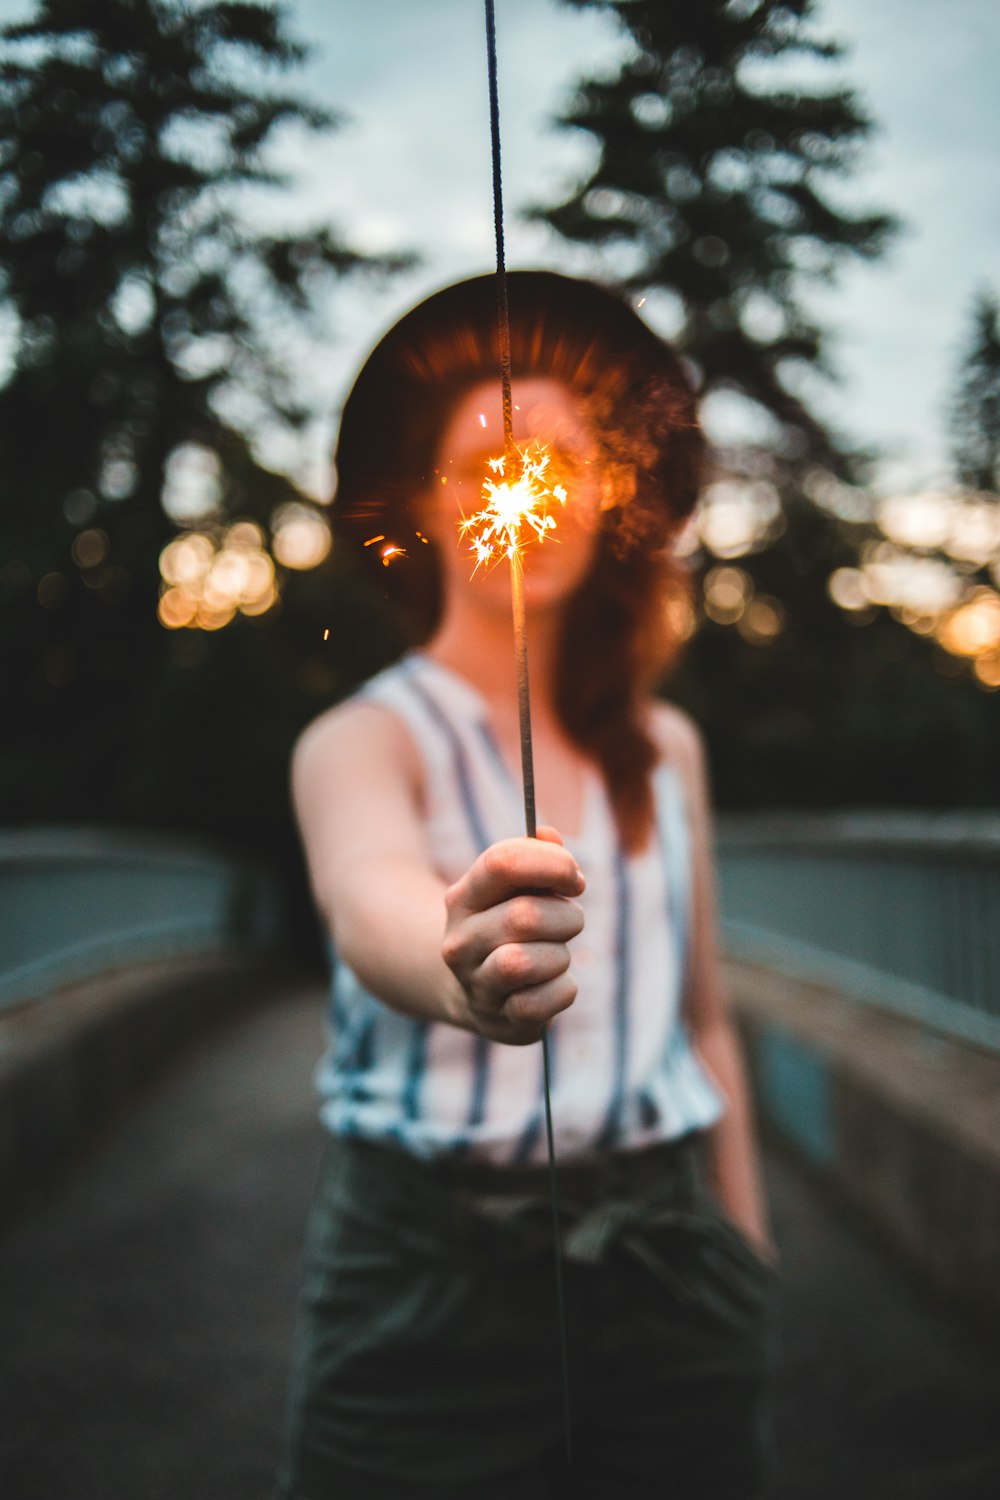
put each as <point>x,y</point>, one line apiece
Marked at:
<point>734,1157</point>
<point>482,954</point>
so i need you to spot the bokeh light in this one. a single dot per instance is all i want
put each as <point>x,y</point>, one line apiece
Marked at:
<point>763,619</point>
<point>727,592</point>
<point>974,628</point>
<point>736,517</point>
<point>301,536</point>
<point>209,579</point>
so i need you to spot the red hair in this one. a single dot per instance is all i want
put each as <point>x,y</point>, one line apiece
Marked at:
<point>642,408</point>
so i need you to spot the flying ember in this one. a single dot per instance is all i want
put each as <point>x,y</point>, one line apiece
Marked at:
<point>514,507</point>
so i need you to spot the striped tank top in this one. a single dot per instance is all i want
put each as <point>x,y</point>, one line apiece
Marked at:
<point>624,1075</point>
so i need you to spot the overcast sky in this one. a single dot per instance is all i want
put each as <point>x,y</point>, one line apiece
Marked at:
<point>412,167</point>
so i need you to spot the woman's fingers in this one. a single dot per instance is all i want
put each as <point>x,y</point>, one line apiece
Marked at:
<point>525,1014</point>
<point>512,866</point>
<point>508,921</point>
<point>548,834</point>
<point>529,917</point>
<point>515,967</point>
<point>536,1007</point>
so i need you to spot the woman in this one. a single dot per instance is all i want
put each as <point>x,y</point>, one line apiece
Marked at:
<point>426,1355</point>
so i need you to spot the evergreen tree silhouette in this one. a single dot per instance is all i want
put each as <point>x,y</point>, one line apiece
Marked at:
<point>713,184</point>
<point>148,314</point>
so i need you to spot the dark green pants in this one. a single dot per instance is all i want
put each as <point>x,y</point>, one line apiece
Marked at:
<point>426,1358</point>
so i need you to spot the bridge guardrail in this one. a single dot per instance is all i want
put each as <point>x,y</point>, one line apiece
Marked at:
<point>895,907</point>
<point>78,901</point>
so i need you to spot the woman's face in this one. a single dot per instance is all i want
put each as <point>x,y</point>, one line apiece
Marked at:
<point>545,411</point>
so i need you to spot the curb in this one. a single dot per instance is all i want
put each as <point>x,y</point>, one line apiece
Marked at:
<point>904,1122</point>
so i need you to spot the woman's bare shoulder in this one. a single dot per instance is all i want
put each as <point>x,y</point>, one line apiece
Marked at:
<point>359,732</point>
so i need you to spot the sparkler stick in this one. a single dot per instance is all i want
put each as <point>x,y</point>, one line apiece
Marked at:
<point>513,530</point>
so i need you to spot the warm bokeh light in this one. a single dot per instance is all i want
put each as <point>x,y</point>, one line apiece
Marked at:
<point>846,587</point>
<point>974,534</point>
<point>727,592</point>
<point>211,617</point>
<point>763,619</point>
<point>186,560</point>
<point>922,521</point>
<point>892,576</point>
<point>245,534</point>
<point>738,516</point>
<point>987,670</point>
<point>208,580</point>
<point>176,608</point>
<point>301,537</point>
<point>974,628</point>
<point>924,573</point>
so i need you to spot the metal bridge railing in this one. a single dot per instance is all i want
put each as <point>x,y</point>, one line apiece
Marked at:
<point>899,908</point>
<point>79,901</point>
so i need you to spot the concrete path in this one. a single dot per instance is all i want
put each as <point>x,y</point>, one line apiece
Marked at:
<point>145,1308</point>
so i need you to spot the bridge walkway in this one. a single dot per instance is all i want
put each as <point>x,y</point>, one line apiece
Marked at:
<point>146,1298</point>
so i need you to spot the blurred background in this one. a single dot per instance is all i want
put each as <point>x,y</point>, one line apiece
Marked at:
<point>208,214</point>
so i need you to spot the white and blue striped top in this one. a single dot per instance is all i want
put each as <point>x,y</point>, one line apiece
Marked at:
<point>623,1071</point>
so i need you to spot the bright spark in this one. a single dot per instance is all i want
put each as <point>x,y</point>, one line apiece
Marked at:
<point>516,510</point>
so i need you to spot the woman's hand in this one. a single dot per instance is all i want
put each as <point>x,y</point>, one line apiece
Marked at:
<point>509,920</point>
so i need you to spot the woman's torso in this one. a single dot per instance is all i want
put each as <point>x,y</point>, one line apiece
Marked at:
<point>624,1075</point>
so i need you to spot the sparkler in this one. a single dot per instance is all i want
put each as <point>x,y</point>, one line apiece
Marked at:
<point>517,504</point>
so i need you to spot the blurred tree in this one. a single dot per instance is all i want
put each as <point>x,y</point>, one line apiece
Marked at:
<point>717,192</point>
<point>975,412</point>
<point>151,322</point>
<point>712,188</point>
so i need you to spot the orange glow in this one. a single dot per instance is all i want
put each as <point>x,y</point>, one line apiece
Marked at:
<point>516,508</point>
<point>763,620</point>
<point>176,608</point>
<point>974,628</point>
<point>987,669</point>
<point>390,553</point>
<point>208,578</point>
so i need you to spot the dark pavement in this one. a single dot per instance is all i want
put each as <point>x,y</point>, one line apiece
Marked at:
<point>145,1309</point>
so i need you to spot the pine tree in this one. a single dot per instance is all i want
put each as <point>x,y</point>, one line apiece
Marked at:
<point>716,192</point>
<point>975,412</point>
<point>712,185</point>
<point>149,315</point>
